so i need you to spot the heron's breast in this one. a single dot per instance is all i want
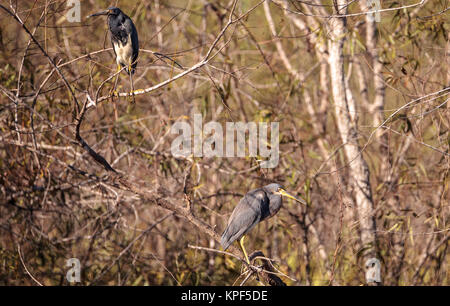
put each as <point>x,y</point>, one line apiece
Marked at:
<point>124,52</point>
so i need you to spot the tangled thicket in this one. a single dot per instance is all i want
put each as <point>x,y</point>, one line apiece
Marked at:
<point>99,183</point>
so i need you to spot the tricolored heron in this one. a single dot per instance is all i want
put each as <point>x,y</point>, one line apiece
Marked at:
<point>124,39</point>
<point>256,206</point>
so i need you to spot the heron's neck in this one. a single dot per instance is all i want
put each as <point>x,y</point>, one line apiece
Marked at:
<point>275,203</point>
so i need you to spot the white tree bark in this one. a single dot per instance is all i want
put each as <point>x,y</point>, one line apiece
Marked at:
<point>377,107</point>
<point>358,169</point>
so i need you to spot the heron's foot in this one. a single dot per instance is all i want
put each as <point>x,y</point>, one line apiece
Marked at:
<point>135,92</point>
<point>113,93</point>
<point>249,269</point>
<point>132,93</point>
<point>130,97</point>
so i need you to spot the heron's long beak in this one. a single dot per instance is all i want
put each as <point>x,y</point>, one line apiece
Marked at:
<point>105,12</point>
<point>286,194</point>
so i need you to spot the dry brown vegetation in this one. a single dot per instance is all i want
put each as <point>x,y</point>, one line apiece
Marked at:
<point>99,183</point>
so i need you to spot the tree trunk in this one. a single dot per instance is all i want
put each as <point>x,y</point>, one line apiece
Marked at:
<point>358,170</point>
<point>377,107</point>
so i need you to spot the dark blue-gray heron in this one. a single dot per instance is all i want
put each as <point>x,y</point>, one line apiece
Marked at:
<point>256,206</point>
<point>124,39</point>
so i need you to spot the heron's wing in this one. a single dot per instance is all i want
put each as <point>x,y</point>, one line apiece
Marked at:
<point>112,43</point>
<point>244,216</point>
<point>129,27</point>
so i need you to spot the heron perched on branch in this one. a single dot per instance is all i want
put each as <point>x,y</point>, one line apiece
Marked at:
<point>124,39</point>
<point>256,206</point>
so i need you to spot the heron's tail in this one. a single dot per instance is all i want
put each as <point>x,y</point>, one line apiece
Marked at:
<point>225,240</point>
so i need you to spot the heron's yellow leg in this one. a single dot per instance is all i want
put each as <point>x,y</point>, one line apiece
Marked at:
<point>114,92</point>
<point>131,96</point>
<point>241,243</point>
